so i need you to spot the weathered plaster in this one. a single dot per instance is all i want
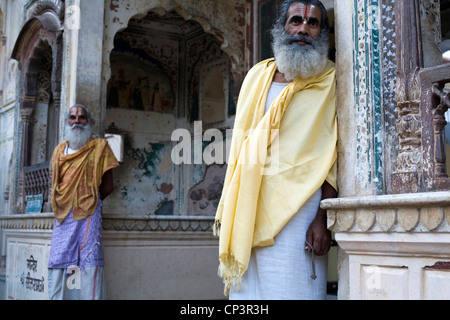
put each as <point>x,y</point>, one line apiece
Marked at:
<point>157,49</point>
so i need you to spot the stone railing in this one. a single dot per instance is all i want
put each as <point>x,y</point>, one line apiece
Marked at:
<point>434,104</point>
<point>37,180</point>
<point>418,212</point>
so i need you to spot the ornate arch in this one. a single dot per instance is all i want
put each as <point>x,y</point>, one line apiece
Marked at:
<point>40,39</point>
<point>231,35</point>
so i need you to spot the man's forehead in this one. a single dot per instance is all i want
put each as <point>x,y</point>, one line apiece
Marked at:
<point>77,111</point>
<point>305,10</point>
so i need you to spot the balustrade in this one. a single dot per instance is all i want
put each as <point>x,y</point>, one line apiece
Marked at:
<point>37,180</point>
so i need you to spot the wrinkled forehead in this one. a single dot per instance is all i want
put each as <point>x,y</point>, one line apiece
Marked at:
<point>306,11</point>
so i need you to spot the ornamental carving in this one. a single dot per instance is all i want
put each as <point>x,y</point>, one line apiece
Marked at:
<point>57,6</point>
<point>45,221</point>
<point>38,50</point>
<point>409,128</point>
<point>419,212</point>
<point>409,122</point>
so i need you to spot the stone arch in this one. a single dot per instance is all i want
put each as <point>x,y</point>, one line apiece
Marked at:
<point>235,52</point>
<point>38,50</point>
<point>34,44</point>
<point>198,50</point>
<point>193,27</point>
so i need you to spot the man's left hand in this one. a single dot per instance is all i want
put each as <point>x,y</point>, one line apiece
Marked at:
<point>318,235</point>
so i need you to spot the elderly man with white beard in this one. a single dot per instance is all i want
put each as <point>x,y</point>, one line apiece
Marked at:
<point>273,234</point>
<point>81,180</point>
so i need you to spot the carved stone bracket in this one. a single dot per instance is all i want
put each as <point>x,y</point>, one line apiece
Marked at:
<point>419,212</point>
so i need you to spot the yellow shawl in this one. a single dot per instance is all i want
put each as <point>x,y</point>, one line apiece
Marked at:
<point>77,177</point>
<point>300,130</point>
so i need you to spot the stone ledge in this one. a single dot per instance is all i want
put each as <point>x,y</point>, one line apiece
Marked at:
<point>157,223</point>
<point>418,212</point>
<point>45,221</point>
<point>29,221</point>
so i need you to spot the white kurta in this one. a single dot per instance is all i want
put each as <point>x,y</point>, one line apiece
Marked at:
<point>283,271</point>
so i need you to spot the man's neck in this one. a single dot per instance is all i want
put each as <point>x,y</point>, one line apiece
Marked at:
<point>75,147</point>
<point>279,77</point>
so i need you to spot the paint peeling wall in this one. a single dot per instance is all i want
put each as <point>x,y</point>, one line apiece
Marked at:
<point>142,183</point>
<point>161,60</point>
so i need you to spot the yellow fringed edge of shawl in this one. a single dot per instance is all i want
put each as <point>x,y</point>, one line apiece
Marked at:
<point>230,270</point>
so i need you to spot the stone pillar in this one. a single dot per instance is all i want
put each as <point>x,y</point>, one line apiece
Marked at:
<point>393,232</point>
<point>406,175</point>
<point>26,115</point>
<point>84,41</point>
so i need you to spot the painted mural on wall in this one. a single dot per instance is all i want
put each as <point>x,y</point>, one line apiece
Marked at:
<point>203,56</point>
<point>147,91</point>
<point>204,197</point>
<point>138,83</point>
<point>142,104</point>
<point>146,177</point>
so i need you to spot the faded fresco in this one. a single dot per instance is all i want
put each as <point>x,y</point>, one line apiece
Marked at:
<point>138,83</point>
<point>156,78</point>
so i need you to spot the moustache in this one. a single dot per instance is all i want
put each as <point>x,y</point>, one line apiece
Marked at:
<point>77,125</point>
<point>298,38</point>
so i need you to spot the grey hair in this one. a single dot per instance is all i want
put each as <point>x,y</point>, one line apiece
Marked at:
<point>282,19</point>
<point>81,106</point>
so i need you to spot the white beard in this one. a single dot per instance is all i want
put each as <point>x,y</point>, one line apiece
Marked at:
<point>78,135</point>
<point>294,60</point>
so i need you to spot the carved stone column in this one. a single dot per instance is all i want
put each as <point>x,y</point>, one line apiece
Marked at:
<point>407,174</point>
<point>56,85</point>
<point>26,117</point>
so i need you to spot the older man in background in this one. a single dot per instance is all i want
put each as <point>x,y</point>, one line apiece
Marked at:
<point>81,179</point>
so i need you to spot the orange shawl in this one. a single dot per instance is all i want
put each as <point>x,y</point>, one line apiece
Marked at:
<point>77,177</point>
